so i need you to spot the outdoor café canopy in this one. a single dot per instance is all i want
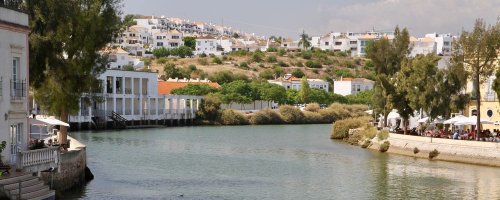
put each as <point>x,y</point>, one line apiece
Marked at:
<point>49,121</point>
<point>472,120</point>
<point>455,119</point>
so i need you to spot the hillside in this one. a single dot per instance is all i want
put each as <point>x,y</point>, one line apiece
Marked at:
<point>265,65</point>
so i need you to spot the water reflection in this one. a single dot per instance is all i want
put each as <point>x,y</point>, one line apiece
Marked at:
<point>266,162</point>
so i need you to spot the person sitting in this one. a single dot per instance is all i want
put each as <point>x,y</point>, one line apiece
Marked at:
<point>455,135</point>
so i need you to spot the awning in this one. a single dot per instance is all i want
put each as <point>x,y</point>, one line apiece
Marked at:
<point>472,120</point>
<point>49,121</point>
<point>455,119</point>
<point>423,120</point>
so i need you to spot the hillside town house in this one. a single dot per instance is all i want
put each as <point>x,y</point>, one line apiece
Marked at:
<point>291,82</point>
<point>351,86</point>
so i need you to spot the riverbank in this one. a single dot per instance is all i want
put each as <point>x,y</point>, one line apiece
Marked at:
<point>460,151</point>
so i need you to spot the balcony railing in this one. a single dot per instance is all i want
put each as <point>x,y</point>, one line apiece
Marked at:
<point>17,89</point>
<point>38,157</point>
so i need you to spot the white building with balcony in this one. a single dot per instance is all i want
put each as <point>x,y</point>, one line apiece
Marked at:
<point>131,98</point>
<point>206,45</point>
<point>351,86</point>
<point>14,78</point>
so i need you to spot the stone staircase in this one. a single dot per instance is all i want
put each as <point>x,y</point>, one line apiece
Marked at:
<point>31,187</point>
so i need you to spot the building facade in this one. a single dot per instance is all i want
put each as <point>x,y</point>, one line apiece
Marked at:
<point>291,82</point>
<point>14,79</point>
<point>351,86</point>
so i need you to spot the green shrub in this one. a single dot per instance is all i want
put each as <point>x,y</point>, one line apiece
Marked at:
<point>366,144</point>
<point>281,52</point>
<point>384,146</point>
<point>341,127</point>
<point>313,117</point>
<point>192,67</point>
<point>209,108</point>
<point>291,114</point>
<point>340,53</point>
<point>244,65</point>
<point>416,150</point>
<point>434,153</point>
<point>162,60</point>
<point>272,59</point>
<point>202,55</point>
<point>272,49</point>
<point>307,55</point>
<point>266,116</point>
<point>383,135</point>
<point>231,117</point>
<point>312,107</point>
<point>257,56</point>
<point>216,60</point>
<point>349,64</point>
<point>369,132</point>
<point>313,64</point>
<point>282,64</point>
<point>298,73</point>
<point>354,138</point>
<point>203,61</point>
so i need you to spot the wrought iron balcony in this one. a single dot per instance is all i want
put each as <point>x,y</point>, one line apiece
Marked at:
<point>17,89</point>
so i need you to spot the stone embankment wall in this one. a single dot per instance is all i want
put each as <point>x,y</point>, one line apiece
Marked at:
<point>473,152</point>
<point>72,171</point>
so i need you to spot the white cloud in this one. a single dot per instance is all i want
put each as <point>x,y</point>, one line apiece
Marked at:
<point>420,16</point>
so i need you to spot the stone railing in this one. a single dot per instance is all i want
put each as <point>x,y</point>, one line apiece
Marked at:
<point>45,156</point>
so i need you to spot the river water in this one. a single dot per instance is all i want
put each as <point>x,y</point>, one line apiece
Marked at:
<point>265,162</point>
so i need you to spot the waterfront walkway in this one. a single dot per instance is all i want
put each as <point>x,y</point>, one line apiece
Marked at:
<point>465,151</point>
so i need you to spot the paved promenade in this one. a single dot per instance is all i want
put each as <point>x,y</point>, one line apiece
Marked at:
<point>473,152</point>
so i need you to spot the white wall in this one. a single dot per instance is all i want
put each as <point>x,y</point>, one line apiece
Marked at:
<point>342,87</point>
<point>13,44</point>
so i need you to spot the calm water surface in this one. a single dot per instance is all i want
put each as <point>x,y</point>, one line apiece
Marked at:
<point>265,162</point>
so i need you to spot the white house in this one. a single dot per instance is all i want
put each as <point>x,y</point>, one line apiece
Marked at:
<point>422,46</point>
<point>291,82</point>
<point>134,97</point>
<point>119,58</point>
<point>351,86</point>
<point>443,42</point>
<point>207,45</point>
<point>167,39</point>
<point>290,44</point>
<point>14,78</point>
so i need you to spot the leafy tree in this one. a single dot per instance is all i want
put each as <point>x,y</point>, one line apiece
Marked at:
<point>190,42</point>
<point>387,57</point>
<point>319,96</point>
<point>305,91</point>
<point>195,89</point>
<point>278,71</point>
<point>477,51</point>
<point>217,60</point>
<point>364,97</point>
<point>128,21</point>
<point>209,108</point>
<point>64,42</point>
<point>298,73</point>
<point>182,51</point>
<point>258,56</point>
<point>236,92</point>
<point>171,71</point>
<point>161,52</point>
<point>266,74</point>
<point>226,76</point>
<point>292,97</point>
<point>304,41</point>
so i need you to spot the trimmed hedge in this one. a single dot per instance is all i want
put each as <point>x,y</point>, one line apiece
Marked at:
<point>312,107</point>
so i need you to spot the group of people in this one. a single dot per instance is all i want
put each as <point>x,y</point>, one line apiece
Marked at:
<point>484,135</point>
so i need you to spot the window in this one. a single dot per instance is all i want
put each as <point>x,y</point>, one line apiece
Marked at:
<point>338,43</point>
<point>174,44</point>
<point>158,37</point>
<point>160,44</point>
<point>17,85</point>
<point>327,43</point>
<point>175,37</point>
<point>109,84</point>
<point>446,43</point>
<point>353,42</point>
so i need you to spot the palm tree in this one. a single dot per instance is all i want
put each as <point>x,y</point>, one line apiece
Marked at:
<point>304,40</point>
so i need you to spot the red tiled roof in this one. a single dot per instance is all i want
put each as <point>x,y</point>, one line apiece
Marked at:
<point>165,87</point>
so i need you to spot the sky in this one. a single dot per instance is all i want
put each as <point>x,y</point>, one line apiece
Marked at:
<point>288,18</point>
